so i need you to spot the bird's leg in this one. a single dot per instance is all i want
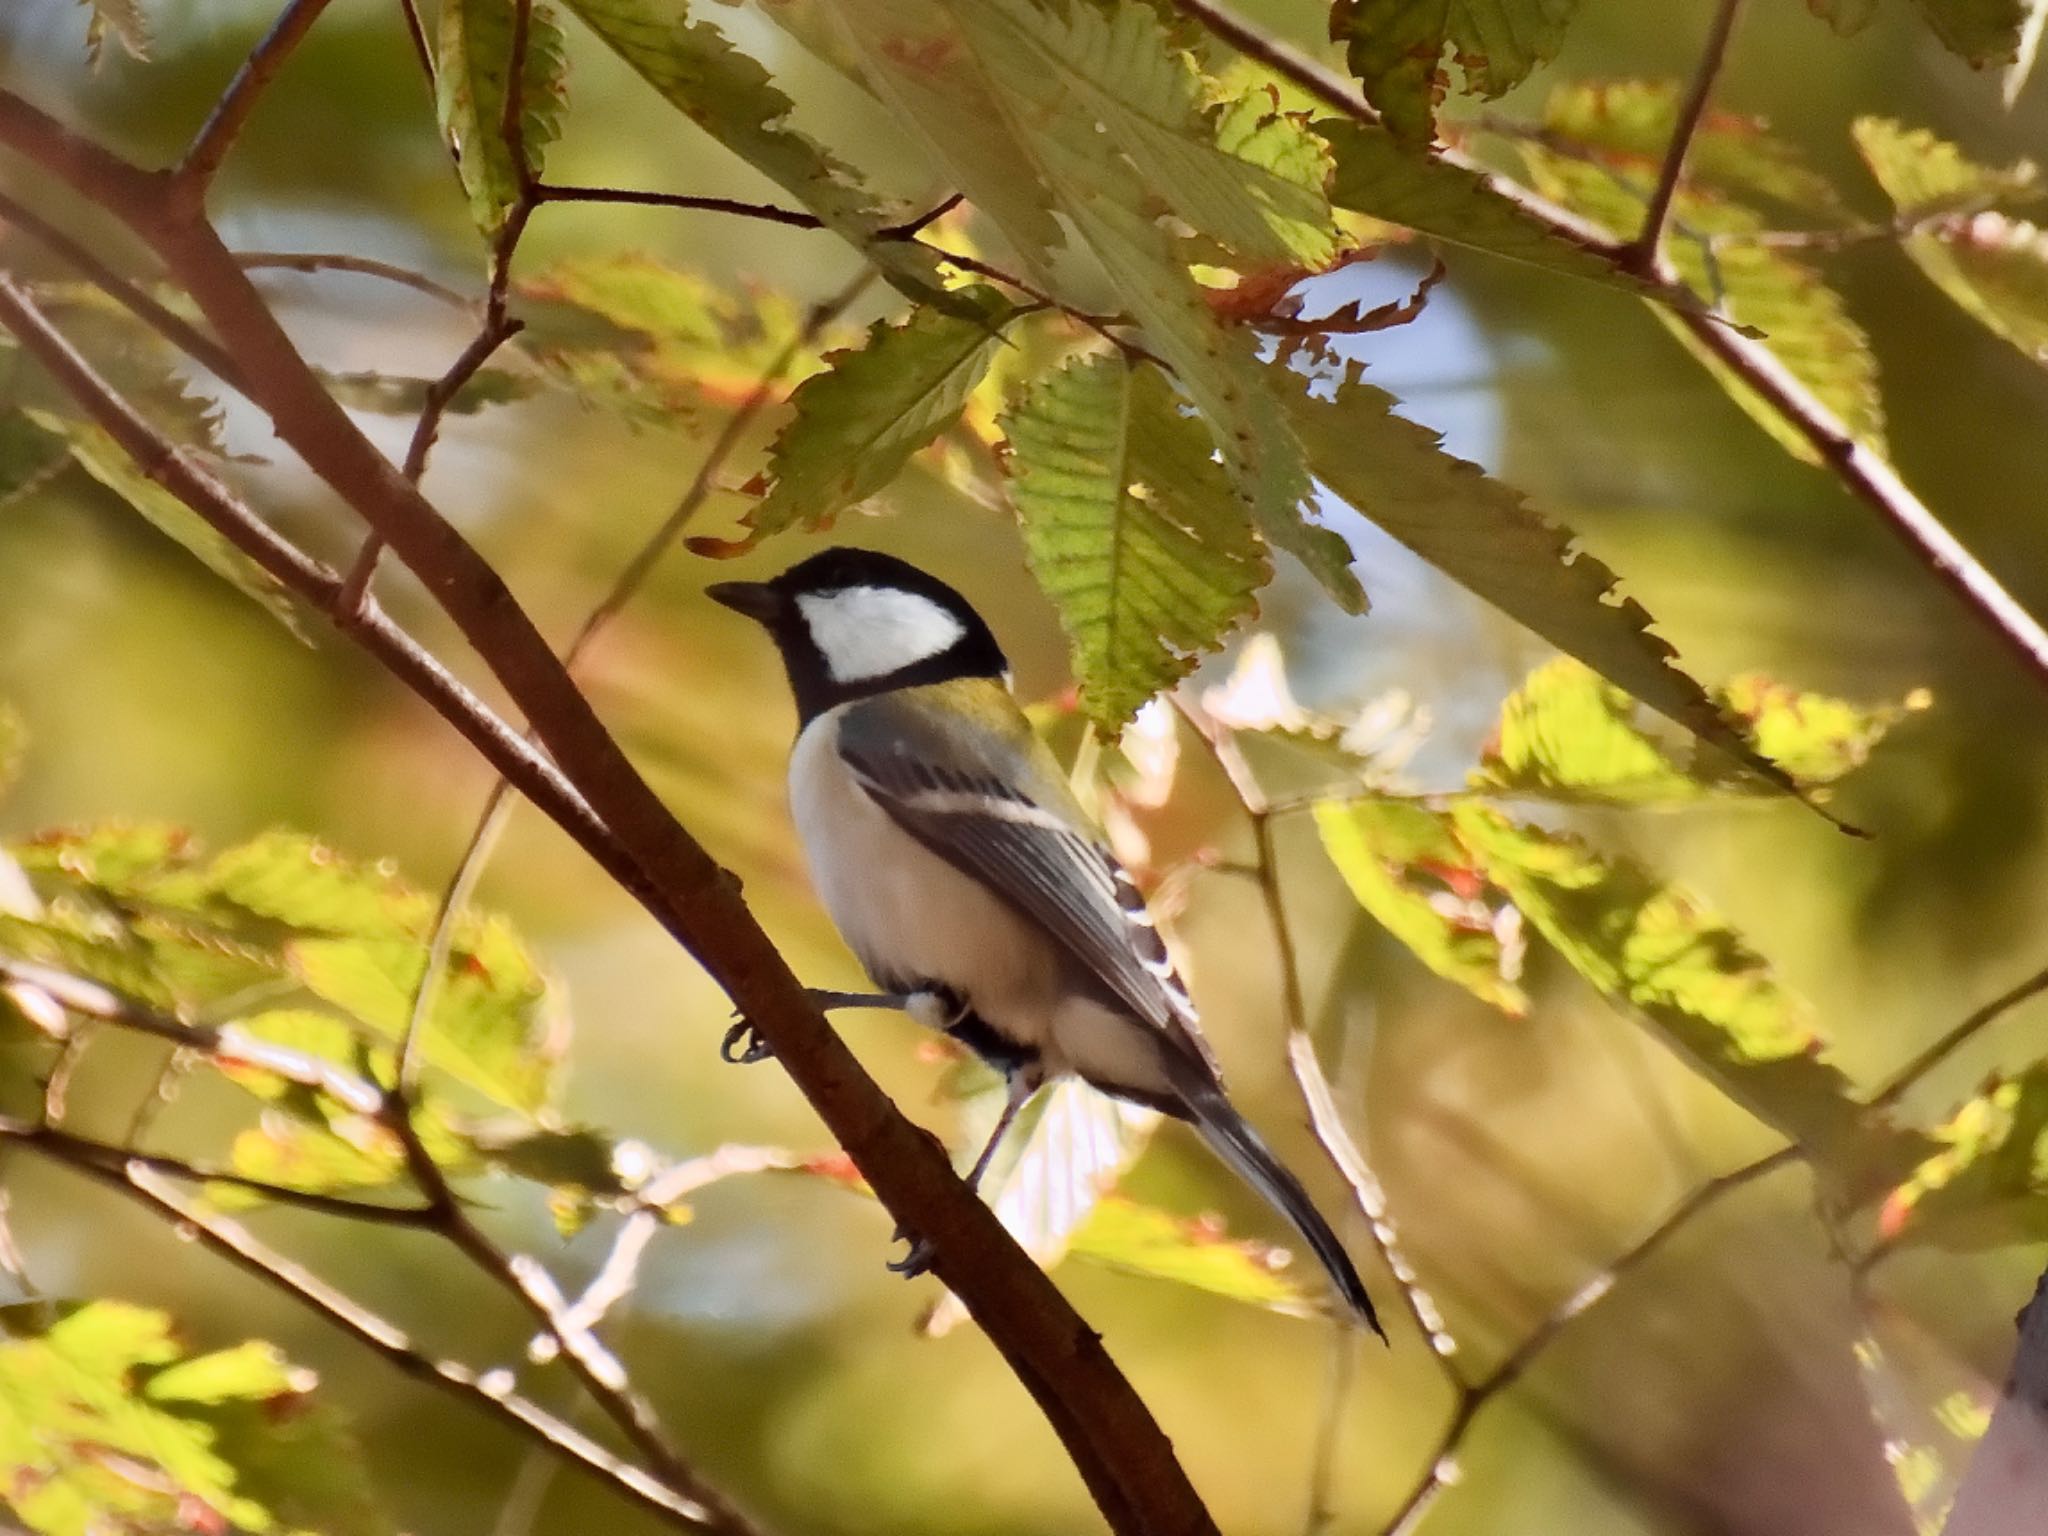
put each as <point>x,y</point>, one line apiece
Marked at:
<point>743,1045</point>
<point>1018,1086</point>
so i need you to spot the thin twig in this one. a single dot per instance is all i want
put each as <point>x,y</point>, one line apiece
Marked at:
<point>223,126</point>
<point>1641,253</point>
<point>366,266</point>
<point>1902,1082</point>
<point>558,192</point>
<point>423,51</point>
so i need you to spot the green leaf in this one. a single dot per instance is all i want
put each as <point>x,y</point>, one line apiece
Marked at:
<point>1130,527</point>
<point>1566,734</point>
<point>473,73</point>
<point>1016,117</point>
<point>1142,1240</point>
<point>1804,322</point>
<point>629,332</point>
<point>1987,1183</point>
<point>29,455</point>
<point>1406,867</point>
<point>1632,121</point>
<point>1395,48</point>
<point>1375,175</point>
<point>1484,536</point>
<point>124,20</point>
<point>1067,1150</point>
<point>102,458</point>
<point>1657,951</point>
<point>106,1425</point>
<point>1993,266</point>
<point>1927,177</point>
<point>1981,31</point>
<point>857,424</point>
<point>725,92</point>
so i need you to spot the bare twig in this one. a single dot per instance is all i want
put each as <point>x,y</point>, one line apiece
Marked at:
<point>1902,1082</point>
<point>1640,254</point>
<point>1118,1448</point>
<point>231,113</point>
<point>422,50</point>
<point>557,192</point>
<point>366,266</point>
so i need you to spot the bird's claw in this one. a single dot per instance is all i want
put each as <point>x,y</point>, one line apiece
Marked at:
<point>917,1260</point>
<point>743,1045</point>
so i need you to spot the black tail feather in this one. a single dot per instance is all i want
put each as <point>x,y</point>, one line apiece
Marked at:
<point>1233,1140</point>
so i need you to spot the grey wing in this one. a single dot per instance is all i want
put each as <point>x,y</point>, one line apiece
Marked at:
<point>1038,856</point>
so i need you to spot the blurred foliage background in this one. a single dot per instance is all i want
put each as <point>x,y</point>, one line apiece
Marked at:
<point>1716,1388</point>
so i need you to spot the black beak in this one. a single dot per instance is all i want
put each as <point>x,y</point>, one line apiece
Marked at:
<point>756,599</point>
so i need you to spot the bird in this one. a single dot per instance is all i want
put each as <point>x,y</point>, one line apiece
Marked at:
<point>948,849</point>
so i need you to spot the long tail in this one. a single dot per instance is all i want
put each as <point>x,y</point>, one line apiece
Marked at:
<point>1239,1145</point>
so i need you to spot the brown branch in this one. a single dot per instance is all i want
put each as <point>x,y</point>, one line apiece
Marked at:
<point>1126,1461</point>
<point>131,296</point>
<point>2006,1489</point>
<point>556,192</point>
<point>1866,475</point>
<point>1640,255</point>
<point>223,126</point>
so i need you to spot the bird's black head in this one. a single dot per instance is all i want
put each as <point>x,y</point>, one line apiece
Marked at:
<point>851,622</point>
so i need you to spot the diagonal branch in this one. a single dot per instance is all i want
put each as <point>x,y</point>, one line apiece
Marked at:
<point>1123,1456</point>
<point>223,126</point>
<point>1640,255</point>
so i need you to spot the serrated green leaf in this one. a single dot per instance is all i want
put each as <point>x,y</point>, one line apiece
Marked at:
<point>729,95</point>
<point>1657,951</point>
<point>105,1425</point>
<point>1926,176</point>
<point>1485,537</point>
<point>1981,31</point>
<point>1130,527</point>
<point>1406,868</point>
<point>1987,1181</point>
<point>102,458</point>
<point>1142,1240</point>
<point>1395,48</point>
<point>1994,266</point>
<point>1375,175</point>
<point>857,424</point>
<point>1633,121</point>
<point>629,332</point>
<point>473,52</point>
<point>1804,322</point>
<point>1013,119</point>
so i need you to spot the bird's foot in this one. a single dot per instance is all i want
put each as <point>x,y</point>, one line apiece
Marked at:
<point>743,1045</point>
<point>917,1259</point>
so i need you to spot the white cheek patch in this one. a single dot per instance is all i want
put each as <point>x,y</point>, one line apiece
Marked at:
<point>867,632</point>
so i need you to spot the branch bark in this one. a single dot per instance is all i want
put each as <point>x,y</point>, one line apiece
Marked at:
<point>1120,1451</point>
<point>2005,1492</point>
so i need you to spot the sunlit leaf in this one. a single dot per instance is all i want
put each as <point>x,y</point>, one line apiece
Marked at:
<point>1994,266</point>
<point>1803,321</point>
<point>349,1156</point>
<point>1483,535</point>
<point>1130,527</point>
<point>1987,1184</point>
<point>1633,121</point>
<point>857,423</point>
<point>473,74</point>
<point>1065,1153</point>
<point>1813,736</point>
<point>1016,117</point>
<point>1406,867</point>
<point>1658,951</point>
<point>1142,1240</point>
<point>1395,48</point>
<point>106,1424</point>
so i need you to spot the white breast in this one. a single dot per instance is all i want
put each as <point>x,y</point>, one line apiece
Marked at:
<point>908,914</point>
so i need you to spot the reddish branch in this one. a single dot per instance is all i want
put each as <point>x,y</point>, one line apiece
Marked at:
<point>1125,1459</point>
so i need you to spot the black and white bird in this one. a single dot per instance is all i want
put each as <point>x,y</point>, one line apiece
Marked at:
<point>962,872</point>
